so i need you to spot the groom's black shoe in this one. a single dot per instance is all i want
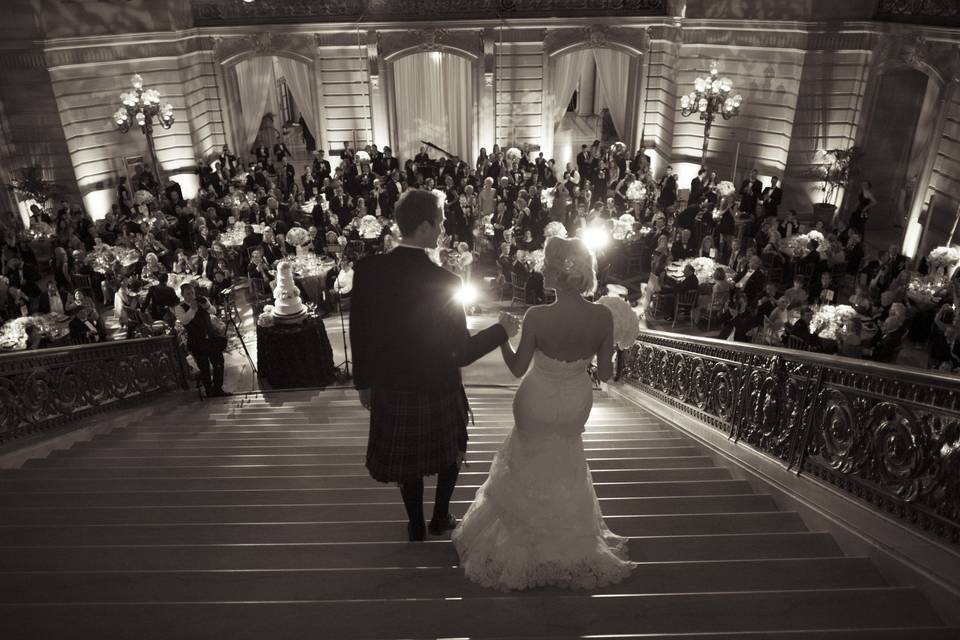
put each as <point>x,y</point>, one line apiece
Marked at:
<point>416,533</point>
<point>439,526</point>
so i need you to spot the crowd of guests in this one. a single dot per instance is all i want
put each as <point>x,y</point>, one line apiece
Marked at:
<point>496,213</point>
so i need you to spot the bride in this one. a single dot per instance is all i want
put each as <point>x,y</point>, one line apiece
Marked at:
<point>536,520</point>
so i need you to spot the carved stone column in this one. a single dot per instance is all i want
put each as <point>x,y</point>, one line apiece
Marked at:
<point>588,83</point>
<point>223,95</point>
<point>320,135</point>
<point>487,94</point>
<point>379,120</point>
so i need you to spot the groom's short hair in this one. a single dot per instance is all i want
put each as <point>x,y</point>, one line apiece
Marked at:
<point>415,207</point>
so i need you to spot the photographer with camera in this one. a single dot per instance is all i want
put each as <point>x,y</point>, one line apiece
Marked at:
<point>206,338</point>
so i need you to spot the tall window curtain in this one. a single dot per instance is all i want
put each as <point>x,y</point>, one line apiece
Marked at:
<point>298,75</point>
<point>434,96</point>
<point>612,69</point>
<point>255,84</point>
<point>565,78</point>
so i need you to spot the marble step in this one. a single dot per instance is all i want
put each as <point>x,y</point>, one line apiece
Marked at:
<point>358,512</point>
<point>13,485</point>
<point>103,450</point>
<point>436,552</point>
<point>64,467</point>
<point>365,531</point>
<point>508,614</point>
<point>366,491</point>
<point>378,583</point>
<point>198,459</point>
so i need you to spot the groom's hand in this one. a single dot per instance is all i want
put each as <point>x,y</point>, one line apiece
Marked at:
<point>510,322</point>
<point>365,398</point>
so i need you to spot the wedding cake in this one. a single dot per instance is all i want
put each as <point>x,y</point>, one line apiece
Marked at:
<point>287,304</point>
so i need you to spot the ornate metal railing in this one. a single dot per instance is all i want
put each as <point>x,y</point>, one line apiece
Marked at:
<point>42,390</point>
<point>944,13</point>
<point>208,13</point>
<point>888,435</point>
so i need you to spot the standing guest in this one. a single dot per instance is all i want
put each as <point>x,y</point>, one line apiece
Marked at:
<point>696,186</point>
<point>668,189</point>
<point>861,213</point>
<point>161,298</point>
<point>771,198</point>
<point>797,294</point>
<point>753,281</point>
<point>750,193</point>
<point>410,340</point>
<point>205,339</point>
<point>801,329</point>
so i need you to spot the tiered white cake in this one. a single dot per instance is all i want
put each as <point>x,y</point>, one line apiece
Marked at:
<point>287,304</point>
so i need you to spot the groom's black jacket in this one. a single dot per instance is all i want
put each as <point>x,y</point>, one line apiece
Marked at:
<point>408,330</point>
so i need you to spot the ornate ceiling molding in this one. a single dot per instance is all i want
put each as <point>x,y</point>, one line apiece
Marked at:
<point>229,49</point>
<point>634,41</point>
<point>938,59</point>
<point>232,12</point>
<point>466,43</point>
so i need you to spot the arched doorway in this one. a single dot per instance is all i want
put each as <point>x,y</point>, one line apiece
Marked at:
<point>272,97</point>
<point>434,99</point>
<point>895,146</point>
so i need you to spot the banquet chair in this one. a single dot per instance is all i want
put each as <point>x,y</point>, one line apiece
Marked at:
<point>806,273</point>
<point>715,308</point>
<point>83,283</point>
<point>549,296</point>
<point>793,342</point>
<point>260,295</point>
<point>839,276</point>
<point>685,302</point>
<point>519,287</point>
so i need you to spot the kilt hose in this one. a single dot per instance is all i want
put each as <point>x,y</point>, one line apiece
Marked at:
<point>414,433</point>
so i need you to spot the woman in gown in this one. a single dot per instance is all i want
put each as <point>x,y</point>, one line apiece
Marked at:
<point>865,202</point>
<point>536,520</point>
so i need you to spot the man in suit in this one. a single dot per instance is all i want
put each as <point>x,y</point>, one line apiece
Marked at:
<point>410,339</point>
<point>230,161</point>
<point>205,263</point>
<point>262,153</point>
<point>771,198</point>
<point>321,167</point>
<point>696,187</point>
<point>750,192</point>
<point>753,281</point>
<point>668,189</point>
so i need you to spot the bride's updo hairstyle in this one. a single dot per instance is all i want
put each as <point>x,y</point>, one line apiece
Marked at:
<point>571,263</point>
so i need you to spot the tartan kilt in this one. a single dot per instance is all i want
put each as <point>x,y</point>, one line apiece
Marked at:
<point>415,433</point>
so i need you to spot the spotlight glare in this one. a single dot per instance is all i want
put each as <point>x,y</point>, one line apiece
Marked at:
<point>596,238</point>
<point>467,295</point>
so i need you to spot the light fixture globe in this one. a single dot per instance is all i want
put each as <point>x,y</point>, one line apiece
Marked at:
<point>710,97</point>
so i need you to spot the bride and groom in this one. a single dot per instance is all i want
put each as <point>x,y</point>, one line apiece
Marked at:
<point>536,520</point>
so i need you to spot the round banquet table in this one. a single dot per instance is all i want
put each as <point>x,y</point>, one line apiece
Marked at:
<point>291,356</point>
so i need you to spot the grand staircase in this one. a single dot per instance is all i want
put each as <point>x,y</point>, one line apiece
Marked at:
<point>254,518</point>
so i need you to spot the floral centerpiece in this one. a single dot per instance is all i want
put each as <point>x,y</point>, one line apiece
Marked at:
<point>726,189</point>
<point>39,230</point>
<point>636,191</point>
<point>703,268</point>
<point>547,196</point>
<point>829,319</point>
<point>944,259</point>
<point>298,236</point>
<point>555,229</point>
<point>361,157</point>
<point>926,290</point>
<point>534,260</point>
<point>513,154</point>
<point>487,222</point>
<point>626,324</point>
<point>143,197</point>
<point>622,230</point>
<point>798,245</point>
<point>369,227</point>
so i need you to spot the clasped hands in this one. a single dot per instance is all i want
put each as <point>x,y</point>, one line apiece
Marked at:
<point>510,322</point>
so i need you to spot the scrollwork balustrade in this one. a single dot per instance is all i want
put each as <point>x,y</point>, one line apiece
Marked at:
<point>887,435</point>
<point>42,390</point>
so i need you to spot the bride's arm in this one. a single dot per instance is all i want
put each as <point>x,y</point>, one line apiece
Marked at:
<point>605,354</point>
<point>518,361</point>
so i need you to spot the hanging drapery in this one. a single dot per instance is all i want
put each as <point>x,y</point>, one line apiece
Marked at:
<point>298,76</point>
<point>566,75</point>
<point>612,69</point>
<point>434,97</point>
<point>255,84</point>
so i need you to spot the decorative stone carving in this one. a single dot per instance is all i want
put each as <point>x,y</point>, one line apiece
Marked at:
<point>596,36</point>
<point>430,39</point>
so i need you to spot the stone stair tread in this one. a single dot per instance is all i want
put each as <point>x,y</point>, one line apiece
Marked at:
<point>367,492</point>
<point>365,531</point>
<point>433,553</point>
<point>380,582</point>
<point>538,614</point>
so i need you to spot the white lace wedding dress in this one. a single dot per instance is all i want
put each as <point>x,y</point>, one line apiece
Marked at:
<point>536,520</point>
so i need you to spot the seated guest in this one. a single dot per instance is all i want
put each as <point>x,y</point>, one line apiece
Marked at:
<point>796,295</point>
<point>182,265</point>
<point>753,281</point>
<point>681,246</point>
<point>152,269</point>
<point>17,304</point>
<point>84,327</point>
<point>885,345</point>
<point>781,311</point>
<point>848,339</point>
<point>221,281</point>
<point>258,267</point>
<point>896,291</point>
<point>36,339</point>
<point>707,250</point>
<point>860,300</point>
<point>738,318</point>
<point>251,239</point>
<point>160,299</point>
<point>823,291</point>
<point>854,253</point>
<point>203,263</point>
<point>126,305</point>
<point>52,300</point>
<point>801,329</point>
<point>271,249</point>
<point>767,302</point>
<point>689,282</point>
<point>790,226</point>
<point>812,263</point>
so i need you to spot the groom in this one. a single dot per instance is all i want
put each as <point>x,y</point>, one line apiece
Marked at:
<point>410,339</point>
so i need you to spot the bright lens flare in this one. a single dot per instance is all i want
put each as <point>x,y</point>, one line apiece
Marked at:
<point>467,295</point>
<point>596,238</point>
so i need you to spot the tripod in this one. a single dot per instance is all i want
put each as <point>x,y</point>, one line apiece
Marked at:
<point>232,313</point>
<point>345,375</point>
